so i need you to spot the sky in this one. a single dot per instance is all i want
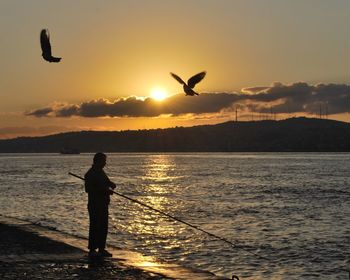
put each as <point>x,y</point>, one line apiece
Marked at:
<point>264,59</point>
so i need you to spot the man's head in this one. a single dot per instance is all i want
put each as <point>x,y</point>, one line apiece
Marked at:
<point>100,160</point>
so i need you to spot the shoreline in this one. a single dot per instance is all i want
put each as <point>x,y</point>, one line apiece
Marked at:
<point>30,251</point>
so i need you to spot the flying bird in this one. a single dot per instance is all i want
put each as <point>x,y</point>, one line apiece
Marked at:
<point>46,47</point>
<point>188,88</point>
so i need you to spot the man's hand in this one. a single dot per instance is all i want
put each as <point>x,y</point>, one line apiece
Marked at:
<point>113,186</point>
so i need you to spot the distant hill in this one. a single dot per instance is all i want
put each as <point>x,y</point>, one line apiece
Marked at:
<point>291,135</point>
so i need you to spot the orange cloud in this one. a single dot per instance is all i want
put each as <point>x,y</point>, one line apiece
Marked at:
<point>298,97</point>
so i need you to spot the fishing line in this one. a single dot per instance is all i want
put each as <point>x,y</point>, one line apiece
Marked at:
<point>179,220</point>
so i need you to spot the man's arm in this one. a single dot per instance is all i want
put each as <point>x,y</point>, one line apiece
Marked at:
<point>95,183</point>
<point>112,185</point>
<point>109,183</point>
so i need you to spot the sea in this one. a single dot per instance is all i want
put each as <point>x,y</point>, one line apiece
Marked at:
<point>286,215</point>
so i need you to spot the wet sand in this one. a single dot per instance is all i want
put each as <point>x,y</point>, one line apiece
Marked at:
<point>29,251</point>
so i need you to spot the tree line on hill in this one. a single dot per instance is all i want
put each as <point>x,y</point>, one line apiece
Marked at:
<point>291,135</point>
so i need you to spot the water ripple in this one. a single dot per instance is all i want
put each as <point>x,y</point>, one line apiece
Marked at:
<point>288,215</point>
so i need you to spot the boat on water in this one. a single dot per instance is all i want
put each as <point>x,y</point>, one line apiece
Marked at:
<point>69,151</point>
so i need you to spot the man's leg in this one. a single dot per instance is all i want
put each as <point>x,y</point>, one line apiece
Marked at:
<point>103,227</point>
<point>103,233</point>
<point>93,228</point>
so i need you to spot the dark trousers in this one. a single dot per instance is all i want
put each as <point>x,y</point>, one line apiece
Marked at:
<point>98,228</point>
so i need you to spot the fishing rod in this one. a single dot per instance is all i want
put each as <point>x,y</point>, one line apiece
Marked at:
<point>176,219</point>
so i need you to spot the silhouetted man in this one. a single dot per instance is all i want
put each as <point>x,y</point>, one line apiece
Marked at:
<point>98,186</point>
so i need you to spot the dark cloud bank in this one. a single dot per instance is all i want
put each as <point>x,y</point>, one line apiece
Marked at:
<point>293,98</point>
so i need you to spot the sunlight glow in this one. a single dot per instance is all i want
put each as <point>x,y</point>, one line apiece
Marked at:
<point>158,93</point>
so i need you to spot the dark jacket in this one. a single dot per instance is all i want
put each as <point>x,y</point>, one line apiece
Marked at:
<point>97,185</point>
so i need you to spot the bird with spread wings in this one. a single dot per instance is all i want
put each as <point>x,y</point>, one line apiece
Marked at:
<point>188,88</point>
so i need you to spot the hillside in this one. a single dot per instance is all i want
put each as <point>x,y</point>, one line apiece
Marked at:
<point>291,135</point>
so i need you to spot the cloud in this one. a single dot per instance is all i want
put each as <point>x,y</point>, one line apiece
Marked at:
<point>298,97</point>
<point>254,90</point>
<point>43,112</point>
<point>136,107</point>
<point>302,97</point>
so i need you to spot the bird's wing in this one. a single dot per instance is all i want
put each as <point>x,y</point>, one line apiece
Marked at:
<point>196,79</point>
<point>45,42</point>
<point>55,59</point>
<point>177,78</point>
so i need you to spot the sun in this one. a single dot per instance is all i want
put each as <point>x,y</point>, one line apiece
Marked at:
<point>158,93</point>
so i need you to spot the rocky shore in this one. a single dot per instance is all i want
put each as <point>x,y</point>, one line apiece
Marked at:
<point>29,251</point>
<point>24,255</point>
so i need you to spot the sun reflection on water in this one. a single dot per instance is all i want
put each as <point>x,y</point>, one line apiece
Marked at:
<point>157,185</point>
<point>158,178</point>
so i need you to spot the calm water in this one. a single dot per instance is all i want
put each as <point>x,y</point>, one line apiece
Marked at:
<point>288,214</point>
